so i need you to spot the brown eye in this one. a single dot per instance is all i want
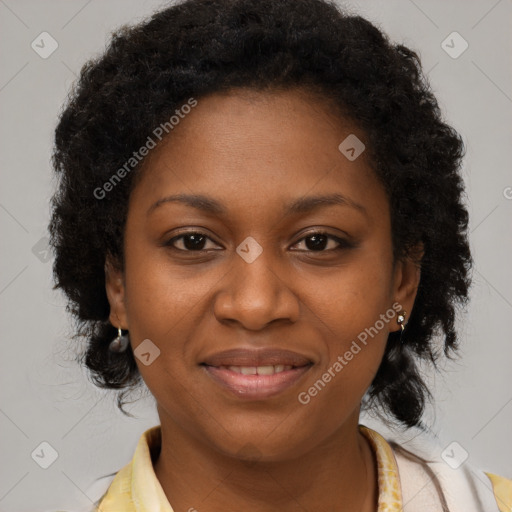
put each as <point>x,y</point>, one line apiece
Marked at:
<point>190,242</point>
<point>319,242</point>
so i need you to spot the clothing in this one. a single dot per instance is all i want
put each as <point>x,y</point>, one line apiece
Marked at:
<point>404,484</point>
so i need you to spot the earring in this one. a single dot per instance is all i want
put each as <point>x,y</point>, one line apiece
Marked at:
<point>119,344</point>
<point>401,322</point>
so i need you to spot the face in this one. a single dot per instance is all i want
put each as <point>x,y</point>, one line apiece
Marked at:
<point>248,307</point>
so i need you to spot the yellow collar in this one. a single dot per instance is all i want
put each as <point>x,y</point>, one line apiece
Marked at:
<point>135,488</point>
<point>390,494</point>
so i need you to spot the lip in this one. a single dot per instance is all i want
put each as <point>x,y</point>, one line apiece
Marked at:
<point>256,387</point>
<point>257,357</point>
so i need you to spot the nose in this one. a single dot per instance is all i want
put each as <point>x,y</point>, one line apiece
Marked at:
<point>254,295</point>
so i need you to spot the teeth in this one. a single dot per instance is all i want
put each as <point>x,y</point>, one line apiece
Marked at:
<point>266,370</point>
<point>259,370</point>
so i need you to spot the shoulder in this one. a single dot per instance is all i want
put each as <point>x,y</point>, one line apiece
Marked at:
<point>502,488</point>
<point>427,477</point>
<point>135,481</point>
<point>111,492</point>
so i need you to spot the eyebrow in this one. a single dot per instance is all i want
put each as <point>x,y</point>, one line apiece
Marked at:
<point>303,205</point>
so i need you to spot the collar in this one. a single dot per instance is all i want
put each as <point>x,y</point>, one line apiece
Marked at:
<point>390,493</point>
<point>135,488</point>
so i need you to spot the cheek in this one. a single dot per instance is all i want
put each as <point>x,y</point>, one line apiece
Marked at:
<point>161,308</point>
<point>358,327</point>
<point>352,360</point>
<point>159,300</point>
<point>358,295</point>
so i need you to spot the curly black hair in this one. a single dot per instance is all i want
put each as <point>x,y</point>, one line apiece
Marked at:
<point>198,47</point>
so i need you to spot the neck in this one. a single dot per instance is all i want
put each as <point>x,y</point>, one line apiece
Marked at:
<point>340,475</point>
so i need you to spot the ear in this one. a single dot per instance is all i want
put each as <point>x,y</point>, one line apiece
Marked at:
<point>115,288</point>
<point>407,273</point>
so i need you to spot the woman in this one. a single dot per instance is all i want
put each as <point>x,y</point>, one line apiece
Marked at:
<point>260,216</point>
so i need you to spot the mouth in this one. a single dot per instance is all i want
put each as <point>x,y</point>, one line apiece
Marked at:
<point>256,374</point>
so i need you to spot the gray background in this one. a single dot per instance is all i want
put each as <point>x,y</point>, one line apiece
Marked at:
<point>46,397</point>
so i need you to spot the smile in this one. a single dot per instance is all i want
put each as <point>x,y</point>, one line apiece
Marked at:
<point>259,370</point>
<point>256,382</point>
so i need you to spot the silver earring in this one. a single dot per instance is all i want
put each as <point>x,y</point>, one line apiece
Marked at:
<point>401,322</point>
<point>120,343</point>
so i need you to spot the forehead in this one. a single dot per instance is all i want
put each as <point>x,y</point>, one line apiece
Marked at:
<point>257,146</point>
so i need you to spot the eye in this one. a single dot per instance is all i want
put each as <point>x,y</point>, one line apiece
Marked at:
<point>193,241</point>
<point>319,241</point>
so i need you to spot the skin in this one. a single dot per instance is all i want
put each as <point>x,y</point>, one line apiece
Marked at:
<point>254,152</point>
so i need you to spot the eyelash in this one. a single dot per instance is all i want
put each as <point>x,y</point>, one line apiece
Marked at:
<point>343,244</point>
